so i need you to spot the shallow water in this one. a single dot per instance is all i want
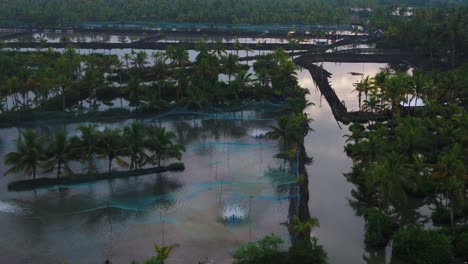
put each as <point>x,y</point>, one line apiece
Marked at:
<point>229,173</point>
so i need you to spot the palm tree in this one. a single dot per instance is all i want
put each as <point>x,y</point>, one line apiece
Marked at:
<point>127,57</point>
<point>85,145</point>
<point>450,172</point>
<point>179,56</point>
<point>119,66</point>
<point>111,146</point>
<point>58,153</point>
<point>242,82</point>
<point>140,60</point>
<point>230,65</point>
<point>160,142</point>
<point>388,179</point>
<point>359,89</point>
<point>418,83</point>
<point>163,252</point>
<point>237,46</point>
<point>135,136</point>
<point>290,129</point>
<point>219,48</point>
<point>454,28</point>
<point>30,153</point>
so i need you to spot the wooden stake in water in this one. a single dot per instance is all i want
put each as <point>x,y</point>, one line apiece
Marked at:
<point>221,192</point>
<point>162,222</point>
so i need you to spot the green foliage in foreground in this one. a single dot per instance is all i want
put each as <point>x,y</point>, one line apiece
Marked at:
<point>269,250</point>
<point>162,253</point>
<point>419,246</point>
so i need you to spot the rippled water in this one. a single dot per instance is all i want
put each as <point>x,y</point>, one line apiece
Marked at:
<point>230,171</point>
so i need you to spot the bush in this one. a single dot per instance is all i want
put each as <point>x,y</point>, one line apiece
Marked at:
<point>307,253</point>
<point>419,246</point>
<point>267,250</point>
<point>379,228</point>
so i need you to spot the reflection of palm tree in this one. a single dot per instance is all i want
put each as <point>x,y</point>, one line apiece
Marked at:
<point>29,154</point>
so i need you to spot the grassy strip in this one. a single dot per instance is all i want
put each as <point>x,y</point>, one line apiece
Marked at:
<point>27,185</point>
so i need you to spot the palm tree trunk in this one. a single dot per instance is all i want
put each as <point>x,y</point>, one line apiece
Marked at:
<point>109,165</point>
<point>453,52</point>
<point>58,169</point>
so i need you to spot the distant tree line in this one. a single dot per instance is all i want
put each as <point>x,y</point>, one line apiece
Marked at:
<point>56,12</point>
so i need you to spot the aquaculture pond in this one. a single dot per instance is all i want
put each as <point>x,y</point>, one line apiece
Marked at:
<point>232,191</point>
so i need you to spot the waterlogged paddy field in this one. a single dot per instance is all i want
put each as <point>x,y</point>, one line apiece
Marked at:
<point>228,172</point>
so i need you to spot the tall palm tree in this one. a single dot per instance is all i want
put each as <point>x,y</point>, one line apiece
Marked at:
<point>358,88</point>
<point>219,48</point>
<point>58,154</point>
<point>230,65</point>
<point>85,145</point>
<point>111,146</point>
<point>140,60</point>
<point>388,178</point>
<point>160,142</point>
<point>290,130</point>
<point>135,136</point>
<point>394,89</point>
<point>450,173</point>
<point>29,154</point>
<point>179,56</point>
<point>127,57</point>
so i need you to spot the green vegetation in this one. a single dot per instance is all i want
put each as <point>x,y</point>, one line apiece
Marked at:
<point>162,253</point>
<point>222,11</point>
<point>417,157</point>
<point>420,246</point>
<point>34,83</point>
<point>437,33</point>
<point>138,143</point>
<point>269,250</point>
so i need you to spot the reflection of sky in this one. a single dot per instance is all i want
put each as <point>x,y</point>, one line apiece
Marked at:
<point>340,230</point>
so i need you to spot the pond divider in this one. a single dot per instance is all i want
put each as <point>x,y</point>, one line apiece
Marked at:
<point>339,110</point>
<point>27,185</point>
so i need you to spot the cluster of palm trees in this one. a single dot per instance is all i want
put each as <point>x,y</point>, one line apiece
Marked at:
<point>438,33</point>
<point>71,81</point>
<point>421,154</point>
<point>134,147</point>
<point>388,90</point>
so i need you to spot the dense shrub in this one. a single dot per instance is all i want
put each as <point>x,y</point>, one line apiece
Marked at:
<point>419,246</point>
<point>269,251</point>
<point>379,228</point>
<point>266,250</point>
<point>307,253</point>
